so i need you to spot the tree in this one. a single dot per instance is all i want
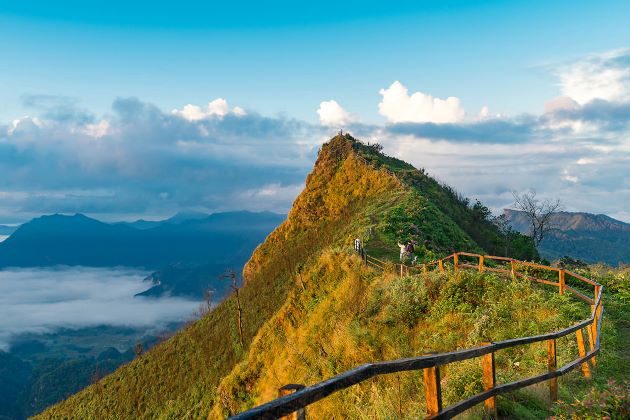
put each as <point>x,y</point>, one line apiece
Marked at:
<point>138,349</point>
<point>538,213</point>
<point>231,275</point>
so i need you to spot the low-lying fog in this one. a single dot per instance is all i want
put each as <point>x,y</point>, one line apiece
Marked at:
<point>41,300</point>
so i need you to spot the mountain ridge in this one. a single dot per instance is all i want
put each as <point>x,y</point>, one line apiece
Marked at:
<point>80,240</point>
<point>590,237</point>
<point>353,191</point>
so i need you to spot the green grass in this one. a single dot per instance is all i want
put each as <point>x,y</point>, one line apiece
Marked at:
<point>311,310</point>
<point>350,315</point>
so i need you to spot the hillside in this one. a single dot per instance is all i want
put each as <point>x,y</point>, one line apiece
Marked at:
<point>589,237</point>
<point>302,280</point>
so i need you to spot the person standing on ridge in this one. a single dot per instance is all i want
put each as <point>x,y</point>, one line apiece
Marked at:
<point>403,250</point>
<point>409,249</point>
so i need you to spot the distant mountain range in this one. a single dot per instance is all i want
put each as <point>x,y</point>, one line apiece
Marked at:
<point>590,237</point>
<point>188,251</point>
<point>80,240</point>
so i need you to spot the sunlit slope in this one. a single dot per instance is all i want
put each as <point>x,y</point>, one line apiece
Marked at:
<point>352,191</point>
<point>349,314</point>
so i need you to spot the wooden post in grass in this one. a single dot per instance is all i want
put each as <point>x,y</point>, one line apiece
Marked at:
<point>489,382</point>
<point>290,389</point>
<point>582,352</point>
<point>455,261</point>
<point>597,311</point>
<point>432,391</point>
<point>551,363</point>
<point>513,269</point>
<point>480,263</point>
<point>597,289</point>
<point>591,343</point>
<point>424,268</point>
<point>561,281</point>
<point>441,266</point>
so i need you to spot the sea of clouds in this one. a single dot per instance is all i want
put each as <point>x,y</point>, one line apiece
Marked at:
<point>41,300</point>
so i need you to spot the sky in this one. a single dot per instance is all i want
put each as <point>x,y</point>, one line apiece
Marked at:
<point>42,300</point>
<point>138,109</point>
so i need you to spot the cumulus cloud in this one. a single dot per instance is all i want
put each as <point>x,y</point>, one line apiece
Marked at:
<point>597,76</point>
<point>150,162</point>
<point>332,114</point>
<point>44,300</point>
<point>216,108</point>
<point>398,106</point>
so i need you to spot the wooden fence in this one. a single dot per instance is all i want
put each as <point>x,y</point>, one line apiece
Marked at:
<point>300,396</point>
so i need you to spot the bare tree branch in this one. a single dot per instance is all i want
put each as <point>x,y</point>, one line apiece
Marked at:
<point>539,214</point>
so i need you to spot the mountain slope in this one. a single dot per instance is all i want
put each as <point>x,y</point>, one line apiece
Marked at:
<point>588,237</point>
<point>351,192</point>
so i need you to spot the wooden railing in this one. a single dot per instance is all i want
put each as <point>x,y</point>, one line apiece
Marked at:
<point>296,401</point>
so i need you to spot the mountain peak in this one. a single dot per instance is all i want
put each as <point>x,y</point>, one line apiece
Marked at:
<point>353,191</point>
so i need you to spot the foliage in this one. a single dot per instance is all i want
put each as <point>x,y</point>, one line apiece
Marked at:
<point>475,219</point>
<point>350,314</point>
<point>610,402</point>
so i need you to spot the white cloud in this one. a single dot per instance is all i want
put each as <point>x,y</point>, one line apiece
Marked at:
<point>586,161</point>
<point>25,123</point>
<point>398,106</point>
<point>271,197</point>
<point>598,76</point>
<point>216,108</point>
<point>331,114</point>
<point>561,103</point>
<point>566,175</point>
<point>43,300</point>
<point>99,129</point>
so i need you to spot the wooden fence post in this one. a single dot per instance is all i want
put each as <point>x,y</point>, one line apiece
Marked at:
<point>290,389</point>
<point>432,391</point>
<point>561,281</point>
<point>489,382</point>
<point>455,261</point>
<point>591,343</point>
<point>441,266</point>
<point>582,352</point>
<point>597,289</point>
<point>513,269</point>
<point>424,268</point>
<point>551,363</point>
<point>480,263</point>
<point>597,310</point>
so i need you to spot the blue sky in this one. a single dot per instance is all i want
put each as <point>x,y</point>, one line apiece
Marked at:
<point>287,57</point>
<point>74,66</point>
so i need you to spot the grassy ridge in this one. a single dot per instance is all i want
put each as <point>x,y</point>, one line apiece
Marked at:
<point>349,314</point>
<point>196,371</point>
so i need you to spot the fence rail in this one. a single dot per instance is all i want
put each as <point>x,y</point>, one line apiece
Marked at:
<point>297,401</point>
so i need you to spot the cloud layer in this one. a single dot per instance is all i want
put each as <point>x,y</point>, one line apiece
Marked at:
<point>140,160</point>
<point>43,300</point>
